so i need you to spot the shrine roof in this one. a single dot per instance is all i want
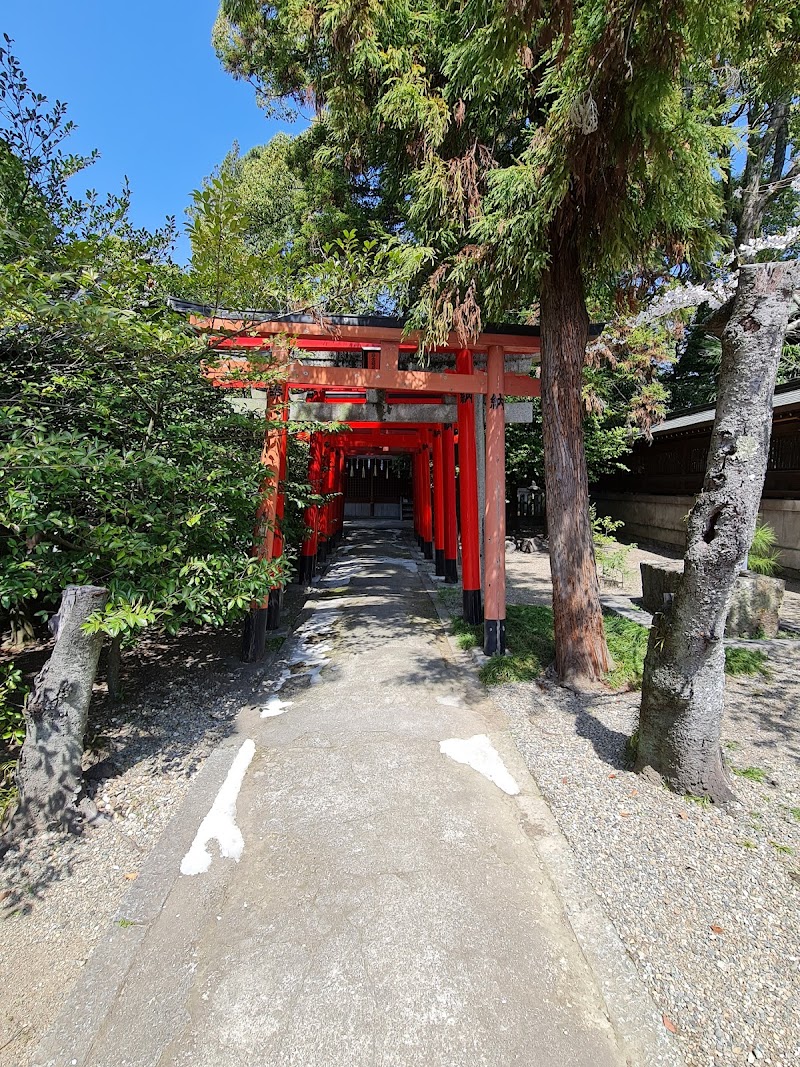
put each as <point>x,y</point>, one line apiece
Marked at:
<point>515,335</point>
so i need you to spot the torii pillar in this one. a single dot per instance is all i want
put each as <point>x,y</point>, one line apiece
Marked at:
<point>425,502</point>
<point>438,504</point>
<point>449,494</point>
<point>307,564</point>
<point>468,495</point>
<point>254,636</point>
<point>275,604</point>
<point>494,625</point>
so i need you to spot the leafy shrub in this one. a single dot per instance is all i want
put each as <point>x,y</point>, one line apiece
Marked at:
<point>763,556</point>
<point>612,557</point>
<point>12,721</point>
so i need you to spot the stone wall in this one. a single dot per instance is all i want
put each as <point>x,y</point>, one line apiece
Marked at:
<point>651,517</point>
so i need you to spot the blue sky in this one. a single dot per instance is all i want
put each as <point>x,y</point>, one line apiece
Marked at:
<point>145,88</point>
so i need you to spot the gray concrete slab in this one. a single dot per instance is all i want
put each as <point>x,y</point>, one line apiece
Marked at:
<point>389,907</point>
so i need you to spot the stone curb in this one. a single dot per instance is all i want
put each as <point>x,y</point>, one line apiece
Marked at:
<point>634,1016</point>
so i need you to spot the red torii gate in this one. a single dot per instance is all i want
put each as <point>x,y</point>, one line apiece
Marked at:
<point>380,343</point>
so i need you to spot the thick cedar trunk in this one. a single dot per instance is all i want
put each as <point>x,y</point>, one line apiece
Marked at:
<point>581,652</point>
<point>50,774</point>
<point>684,673</point>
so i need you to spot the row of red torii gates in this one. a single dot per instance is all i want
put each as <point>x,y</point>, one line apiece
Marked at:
<point>364,372</point>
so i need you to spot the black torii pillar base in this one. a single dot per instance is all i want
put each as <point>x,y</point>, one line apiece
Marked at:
<point>306,567</point>
<point>274,606</point>
<point>254,635</point>
<point>473,608</point>
<point>494,637</point>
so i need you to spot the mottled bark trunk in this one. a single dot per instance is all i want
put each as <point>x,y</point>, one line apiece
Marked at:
<point>50,775</point>
<point>581,652</point>
<point>684,673</point>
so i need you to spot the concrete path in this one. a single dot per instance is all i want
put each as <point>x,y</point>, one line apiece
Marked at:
<point>389,908</point>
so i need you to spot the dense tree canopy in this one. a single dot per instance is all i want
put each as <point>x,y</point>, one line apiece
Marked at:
<point>119,464</point>
<point>535,149</point>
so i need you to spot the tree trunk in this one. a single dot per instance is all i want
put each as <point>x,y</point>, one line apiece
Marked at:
<point>684,673</point>
<point>581,652</point>
<point>50,775</point>
<point>114,667</point>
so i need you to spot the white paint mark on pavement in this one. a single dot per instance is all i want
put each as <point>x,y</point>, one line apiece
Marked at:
<point>220,823</point>
<point>275,706</point>
<point>449,701</point>
<point>479,753</point>
<point>281,680</point>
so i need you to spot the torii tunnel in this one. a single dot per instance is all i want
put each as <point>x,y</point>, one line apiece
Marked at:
<point>447,416</point>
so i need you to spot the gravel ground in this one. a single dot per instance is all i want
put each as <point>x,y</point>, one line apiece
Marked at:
<point>707,902</point>
<point>58,892</point>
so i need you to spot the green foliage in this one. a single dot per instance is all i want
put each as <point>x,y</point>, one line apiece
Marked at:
<point>612,557</point>
<point>763,556</point>
<point>627,644</point>
<point>753,774</point>
<point>747,661</point>
<point>258,246</point>
<point>35,203</point>
<point>8,787</point>
<point>631,749</point>
<point>467,636</point>
<point>120,465</point>
<point>12,722</point>
<point>462,118</point>
<point>784,850</point>
<point>531,644</point>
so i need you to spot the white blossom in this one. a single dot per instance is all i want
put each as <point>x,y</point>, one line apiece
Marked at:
<point>713,293</point>
<point>777,242</point>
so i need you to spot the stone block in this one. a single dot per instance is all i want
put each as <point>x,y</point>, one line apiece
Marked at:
<point>755,606</point>
<point>659,582</point>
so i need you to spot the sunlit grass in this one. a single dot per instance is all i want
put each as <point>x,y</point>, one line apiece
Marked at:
<point>531,645</point>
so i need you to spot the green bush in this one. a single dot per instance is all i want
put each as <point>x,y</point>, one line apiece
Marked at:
<point>612,558</point>
<point>12,721</point>
<point>763,556</point>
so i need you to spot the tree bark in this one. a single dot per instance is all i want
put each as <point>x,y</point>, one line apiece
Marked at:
<point>114,667</point>
<point>50,775</point>
<point>684,673</point>
<point>581,652</point>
